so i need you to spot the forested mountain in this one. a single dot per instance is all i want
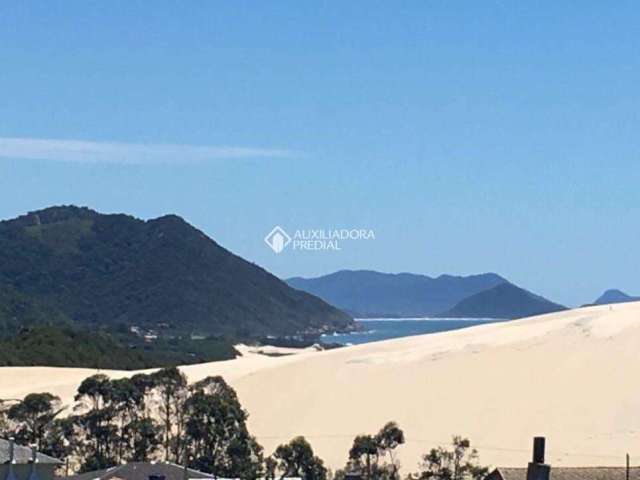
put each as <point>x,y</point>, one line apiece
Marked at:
<point>19,311</point>
<point>71,264</point>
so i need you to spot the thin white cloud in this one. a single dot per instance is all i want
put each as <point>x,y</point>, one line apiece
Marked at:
<point>81,151</point>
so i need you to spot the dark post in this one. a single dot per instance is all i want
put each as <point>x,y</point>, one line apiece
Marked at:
<point>12,459</point>
<point>12,446</point>
<point>537,469</point>
<point>538,449</point>
<point>34,460</point>
<point>628,466</point>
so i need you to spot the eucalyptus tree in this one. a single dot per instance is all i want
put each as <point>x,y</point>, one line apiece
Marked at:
<point>32,418</point>
<point>460,462</point>
<point>138,433</point>
<point>114,421</point>
<point>61,440</point>
<point>98,435</point>
<point>137,418</point>
<point>144,438</point>
<point>297,459</point>
<point>387,440</point>
<point>368,452</point>
<point>171,387</point>
<point>364,453</point>
<point>216,431</point>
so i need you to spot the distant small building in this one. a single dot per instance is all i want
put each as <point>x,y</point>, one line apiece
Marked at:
<point>18,462</point>
<point>143,471</point>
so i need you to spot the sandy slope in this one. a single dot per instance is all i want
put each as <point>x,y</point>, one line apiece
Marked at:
<point>572,376</point>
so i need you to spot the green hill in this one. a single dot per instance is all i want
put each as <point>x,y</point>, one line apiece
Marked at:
<point>503,301</point>
<point>117,271</point>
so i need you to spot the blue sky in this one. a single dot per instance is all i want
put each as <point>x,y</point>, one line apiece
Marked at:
<point>471,136</point>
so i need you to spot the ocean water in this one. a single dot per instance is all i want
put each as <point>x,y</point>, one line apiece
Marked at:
<point>373,330</point>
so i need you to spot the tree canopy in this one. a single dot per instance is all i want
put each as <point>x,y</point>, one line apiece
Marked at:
<point>460,462</point>
<point>297,459</point>
<point>160,416</point>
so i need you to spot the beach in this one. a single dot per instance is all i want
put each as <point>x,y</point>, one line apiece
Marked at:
<point>570,376</point>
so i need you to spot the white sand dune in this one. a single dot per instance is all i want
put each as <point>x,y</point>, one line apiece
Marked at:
<point>572,376</point>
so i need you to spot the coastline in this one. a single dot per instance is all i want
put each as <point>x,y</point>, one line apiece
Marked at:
<point>496,383</point>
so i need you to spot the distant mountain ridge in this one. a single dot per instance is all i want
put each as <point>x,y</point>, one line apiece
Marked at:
<point>116,270</point>
<point>615,296</point>
<point>367,293</point>
<point>371,293</point>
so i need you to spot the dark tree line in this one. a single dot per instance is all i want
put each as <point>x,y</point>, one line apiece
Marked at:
<point>137,419</point>
<point>160,416</point>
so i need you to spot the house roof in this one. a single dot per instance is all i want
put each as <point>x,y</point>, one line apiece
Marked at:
<point>22,454</point>
<point>570,473</point>
<point>141,471</point>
